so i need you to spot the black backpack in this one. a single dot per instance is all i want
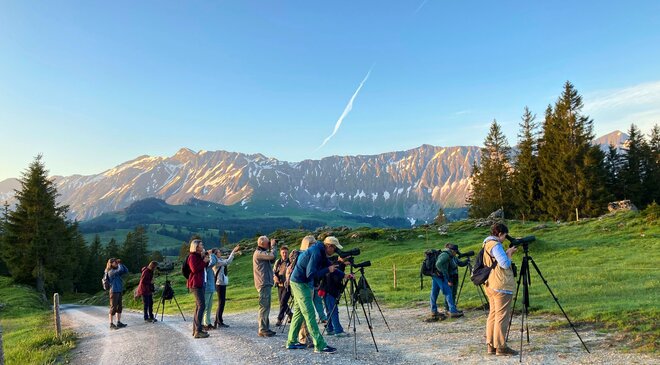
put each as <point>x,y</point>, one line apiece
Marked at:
<point>428,265</point>
<point>363,294</point>
<point>480,272</point>
<point>185,268</point>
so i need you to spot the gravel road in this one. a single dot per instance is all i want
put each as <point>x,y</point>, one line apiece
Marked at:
<point>412,341</point>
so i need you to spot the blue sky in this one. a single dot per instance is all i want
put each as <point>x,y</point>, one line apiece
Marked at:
<point>93,84</point>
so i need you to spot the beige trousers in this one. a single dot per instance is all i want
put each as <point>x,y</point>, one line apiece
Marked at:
<point>498,318</point>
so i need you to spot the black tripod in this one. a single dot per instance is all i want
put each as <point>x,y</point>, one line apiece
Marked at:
<point>354,291</point>
<point>526,282</point>
<point>167,294</point>
<point>480,290</point>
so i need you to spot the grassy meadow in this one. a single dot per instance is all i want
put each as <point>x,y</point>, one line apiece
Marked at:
<point>603,271</point>
<point>28,327</point>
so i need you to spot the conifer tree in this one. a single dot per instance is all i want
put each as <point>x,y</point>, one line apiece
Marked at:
<point>569,179</point>
<point>613,166</point>
<point>525,174</point>
<point>491,182</point>
<point>37,244</point>
<point>112,250</point>
<point>633,172</point>
<point>652,182</point>
<point>95,266</point>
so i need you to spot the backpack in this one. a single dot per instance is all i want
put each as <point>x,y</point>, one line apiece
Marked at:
<point>105,282</point>
<point>293,258</point>
<point>428,265</point>
<point>363,294</point>
<point>185,268</point>
<point>480,272</point>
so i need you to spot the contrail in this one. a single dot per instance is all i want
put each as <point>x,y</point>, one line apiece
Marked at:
<point>347,109</point>
<point>420,6</point>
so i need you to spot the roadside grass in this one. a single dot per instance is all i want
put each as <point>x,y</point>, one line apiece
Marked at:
<point>28,330</point>
<point>603,271</point>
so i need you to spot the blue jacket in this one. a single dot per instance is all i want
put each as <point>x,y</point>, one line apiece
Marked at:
<point>311,264</point>
<point>114,277</point>
<point>210,274</point>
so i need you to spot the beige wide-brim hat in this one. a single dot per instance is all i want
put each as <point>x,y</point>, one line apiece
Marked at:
<point>332,240</point>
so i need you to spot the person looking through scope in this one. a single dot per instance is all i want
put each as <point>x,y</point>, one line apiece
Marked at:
<point>146,290</point>
<point>454,264</point>
<point>499,289</point>
<point>311,263</point>
<point>442,282</point>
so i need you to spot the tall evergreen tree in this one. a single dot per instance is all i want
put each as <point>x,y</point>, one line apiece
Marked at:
<point>652,182</point>
<point>134,252</point>
<point>491,182</point>
<point>94,268</point>
<point>566,157</point>
<point>613,166</point>
<point>633,173</point>
<point>112,250</point>
<point>525,175</point>
<point>37,245</point>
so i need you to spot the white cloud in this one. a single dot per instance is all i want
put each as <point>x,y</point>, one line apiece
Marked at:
<point>618,108</point>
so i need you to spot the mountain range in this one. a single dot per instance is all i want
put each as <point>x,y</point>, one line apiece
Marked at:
<point>411,184</point>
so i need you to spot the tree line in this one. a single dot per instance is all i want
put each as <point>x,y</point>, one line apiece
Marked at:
<point>41,247</point>
<point>556,172</point>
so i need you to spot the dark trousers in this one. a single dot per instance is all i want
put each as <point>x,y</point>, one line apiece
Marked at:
<point>148,301</point>
<point>200,306</point>
<point>284,294</point>
<point>222,298</point>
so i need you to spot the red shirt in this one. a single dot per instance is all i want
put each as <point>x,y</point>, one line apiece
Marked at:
<point>146,282</point>
<point>197,270</point>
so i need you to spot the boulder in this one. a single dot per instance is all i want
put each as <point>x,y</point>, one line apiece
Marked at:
<point>621,206</point>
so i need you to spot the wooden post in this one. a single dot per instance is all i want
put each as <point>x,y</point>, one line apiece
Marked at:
<point>2,356</point>
<point>394,270</point>
<point>56,310</point>
<point>577,215</point>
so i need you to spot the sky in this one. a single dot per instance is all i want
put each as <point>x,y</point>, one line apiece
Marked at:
<point>92,84</point>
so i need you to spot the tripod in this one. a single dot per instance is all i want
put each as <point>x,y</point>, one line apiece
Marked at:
<point>167,294</point>
<point>526,282</point>
<point>480,290</point>
<point>354,292</point>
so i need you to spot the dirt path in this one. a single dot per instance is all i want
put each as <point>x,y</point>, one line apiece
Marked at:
<point>411,341</point>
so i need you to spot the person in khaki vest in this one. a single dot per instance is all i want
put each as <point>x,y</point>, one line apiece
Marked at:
<point>499,289</point>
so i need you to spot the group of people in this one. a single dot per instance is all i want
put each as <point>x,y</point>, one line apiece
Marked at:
<point>300,277</point>
<point>309,280</point>
<point>208,275</point>
<point>499,287</point>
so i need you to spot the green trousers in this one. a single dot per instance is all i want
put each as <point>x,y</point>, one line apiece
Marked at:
<point>303,310</point>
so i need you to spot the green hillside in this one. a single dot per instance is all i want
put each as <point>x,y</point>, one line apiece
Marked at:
<point>27,325</point>
<point>604,271</point>
<point>169,225</point>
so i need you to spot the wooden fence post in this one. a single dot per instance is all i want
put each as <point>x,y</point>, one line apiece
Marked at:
<point>2,356</point>
<point>577,215</point>
<point>394,270</point>
<point>56,310</point>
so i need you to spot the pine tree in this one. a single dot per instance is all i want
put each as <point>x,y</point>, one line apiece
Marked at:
<point>38,238</point>
<point>613,166</point>
<point>566,161</point>
<point>95,267</point>
<point>652,181</point>
<point>440,218</point>
<point>525,176</point>
<point>633,172</point>
<point>134,252</point>
<point>224,241</point>
<point>112,250</point>
<point>491,182</point>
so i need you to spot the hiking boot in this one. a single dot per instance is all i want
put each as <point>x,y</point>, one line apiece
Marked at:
<point>490,350</point>
<point>296,346</point>
<point>279,323</point>
<point>455,314</point>
<point>271,331</point>
<point>121,325</point>
<point>112,326</point>
<point>341,334</point>
<point>507,351</point>
<point>266,334</point>
<point>326,350</point>
<point>330,333</point>
<point>153,320</point>
<point>222,325</point>
<point>201,335</point>
<point>435,317</point>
